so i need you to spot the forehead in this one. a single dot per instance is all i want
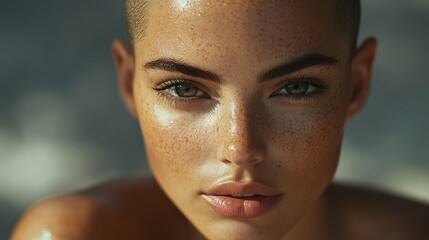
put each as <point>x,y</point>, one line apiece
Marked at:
<point>230,31</point>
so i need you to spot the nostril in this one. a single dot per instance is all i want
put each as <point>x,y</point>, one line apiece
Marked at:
<point>241,162</point>
<point>226,161</point>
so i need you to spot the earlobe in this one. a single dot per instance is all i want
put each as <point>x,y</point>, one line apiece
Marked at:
<point>124,62</point>
<point>361,73</point>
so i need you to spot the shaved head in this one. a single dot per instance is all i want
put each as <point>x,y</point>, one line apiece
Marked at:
<point>347,18</point>
<point>135,12</point>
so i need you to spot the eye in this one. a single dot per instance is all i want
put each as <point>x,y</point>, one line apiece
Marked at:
<point>180,89</point>
<point>299,88</point>
<point>184,90</point>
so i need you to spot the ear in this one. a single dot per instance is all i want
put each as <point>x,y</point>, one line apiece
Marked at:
<point>361,72</point>
<point>124,62</point>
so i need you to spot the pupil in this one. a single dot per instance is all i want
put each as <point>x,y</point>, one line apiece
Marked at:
<point>297,88</point>
<point>185,90</point>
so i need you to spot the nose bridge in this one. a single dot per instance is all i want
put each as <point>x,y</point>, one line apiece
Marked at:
<point>234,122</point>
<point>242,119</point>
<point>240,135</point>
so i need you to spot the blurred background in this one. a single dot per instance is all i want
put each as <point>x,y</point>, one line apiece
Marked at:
<point>62,125</point>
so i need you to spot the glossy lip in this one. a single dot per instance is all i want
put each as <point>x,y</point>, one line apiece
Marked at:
<point>241,200</point>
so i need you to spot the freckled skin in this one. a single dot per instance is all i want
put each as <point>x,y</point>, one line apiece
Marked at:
<point>241,132</point>
<point>295,145</point>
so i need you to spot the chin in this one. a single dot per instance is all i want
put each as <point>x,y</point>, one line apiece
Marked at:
<point>249,229</point>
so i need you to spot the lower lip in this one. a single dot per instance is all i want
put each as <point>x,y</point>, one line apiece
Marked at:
<point>246,207</point>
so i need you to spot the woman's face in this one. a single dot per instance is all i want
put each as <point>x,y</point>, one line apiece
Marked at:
<point>244,92</point>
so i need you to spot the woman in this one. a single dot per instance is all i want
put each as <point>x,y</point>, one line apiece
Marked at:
<point>242,106</point>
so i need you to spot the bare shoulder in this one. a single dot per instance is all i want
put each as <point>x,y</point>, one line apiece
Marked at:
<point>65,217</point>
<point>374,214</point>
<point>133,208</point>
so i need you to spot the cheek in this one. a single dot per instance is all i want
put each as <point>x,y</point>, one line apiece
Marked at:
<point>174,142</point>
<point>309,143</point>
<point>313,145</point>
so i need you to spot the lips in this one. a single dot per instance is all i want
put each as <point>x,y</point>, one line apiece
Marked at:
<point>238,200</point>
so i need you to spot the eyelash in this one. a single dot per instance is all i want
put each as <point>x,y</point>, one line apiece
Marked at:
<point>173,99</point>
<point>319,86</point>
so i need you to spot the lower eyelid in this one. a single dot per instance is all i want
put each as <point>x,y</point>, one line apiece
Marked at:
<point>171,99</point>
<point>181,103</point>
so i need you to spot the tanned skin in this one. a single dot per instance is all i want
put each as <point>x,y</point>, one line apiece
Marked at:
<point>236,128</point>
<point>114,211</point>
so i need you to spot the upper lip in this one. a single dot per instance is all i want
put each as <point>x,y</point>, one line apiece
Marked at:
<point>242,189</point>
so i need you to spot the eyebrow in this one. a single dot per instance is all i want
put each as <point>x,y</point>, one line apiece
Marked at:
<point>294,65</point>
<point>173,65</point>
<point>297,64</point>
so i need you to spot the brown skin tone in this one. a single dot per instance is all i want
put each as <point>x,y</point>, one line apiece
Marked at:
<point>236,129</point>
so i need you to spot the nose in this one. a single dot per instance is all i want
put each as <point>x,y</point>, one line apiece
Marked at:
<point>241,135</point>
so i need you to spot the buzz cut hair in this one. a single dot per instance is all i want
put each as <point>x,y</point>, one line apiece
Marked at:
<point>348,14</point>
<point>136,21</point>
<point>348,17</point>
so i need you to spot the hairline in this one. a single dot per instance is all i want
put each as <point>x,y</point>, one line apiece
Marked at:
<point>347,19</point>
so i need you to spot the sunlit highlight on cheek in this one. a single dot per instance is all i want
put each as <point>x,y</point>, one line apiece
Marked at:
<point>164,118</point>
<point>177,140</point>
